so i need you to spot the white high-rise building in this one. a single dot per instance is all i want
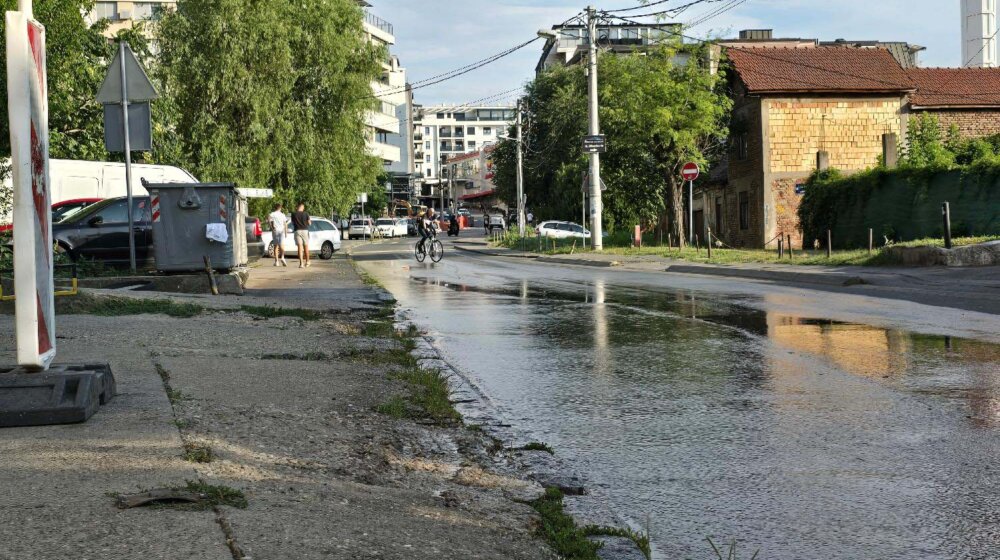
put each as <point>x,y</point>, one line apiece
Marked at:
<point>979,33</point>
<point>384,122</point>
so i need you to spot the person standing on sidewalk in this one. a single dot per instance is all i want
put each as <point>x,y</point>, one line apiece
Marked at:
<point>302,221</point>
<point>279,227</point>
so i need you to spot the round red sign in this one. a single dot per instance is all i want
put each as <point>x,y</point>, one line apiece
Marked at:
<point>690,171</point>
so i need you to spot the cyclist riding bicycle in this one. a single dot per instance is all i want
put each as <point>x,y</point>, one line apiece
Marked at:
<point>427,227</point>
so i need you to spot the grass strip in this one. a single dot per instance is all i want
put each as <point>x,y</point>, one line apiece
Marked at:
<point>560,530</point>
<point>273,312</point>
<point>429,394</point>
<point>86,304</point>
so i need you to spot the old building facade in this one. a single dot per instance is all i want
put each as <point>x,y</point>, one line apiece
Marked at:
<point>795,109</point>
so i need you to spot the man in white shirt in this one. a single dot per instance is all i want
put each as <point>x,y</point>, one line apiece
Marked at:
<point>279,227</point>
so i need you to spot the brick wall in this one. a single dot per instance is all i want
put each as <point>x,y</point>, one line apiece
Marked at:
<point>972,123</point>
<point>786,208</point>
<point>849,129</point>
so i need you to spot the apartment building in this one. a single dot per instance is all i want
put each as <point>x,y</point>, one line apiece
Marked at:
<point>122,15</point>
<point>385,123</point>
<point>441,132</point>
<point>573,41</point>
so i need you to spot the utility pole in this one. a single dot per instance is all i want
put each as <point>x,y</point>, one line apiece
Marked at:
<point>596,204</point>
<point>128,161</point>
<point>520,174</point>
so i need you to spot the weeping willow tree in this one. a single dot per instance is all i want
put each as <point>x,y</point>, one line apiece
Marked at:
<point>274,95</point>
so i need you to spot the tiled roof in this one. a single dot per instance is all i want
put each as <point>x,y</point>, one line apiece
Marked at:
<point>819,70</point>
<point>956,87</point>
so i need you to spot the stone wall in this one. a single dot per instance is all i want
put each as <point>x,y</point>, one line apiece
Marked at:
<point>786,210</point>
<point>972,123</point>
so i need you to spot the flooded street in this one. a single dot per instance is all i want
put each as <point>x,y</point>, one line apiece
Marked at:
<point>711,410</point>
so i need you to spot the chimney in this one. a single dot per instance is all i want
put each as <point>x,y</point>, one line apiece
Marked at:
<point>757,34</point>
<point>979,30</point>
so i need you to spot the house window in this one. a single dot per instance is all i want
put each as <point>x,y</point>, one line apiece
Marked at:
<point>427,130</point>
<point>470,130</point>
<point>428,169</point>
<point>382,137</point>
<point>427,144</point>
<point>741,146</point>
<point>487,131</point>
<point>471,144</point>
<point>427,159</point>
<point>718,215</point>
<point>744,210</point>
<point>439,115</point>
<point>106,10</point>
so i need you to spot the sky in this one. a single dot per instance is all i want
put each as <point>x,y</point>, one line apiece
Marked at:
<point>435,36</point>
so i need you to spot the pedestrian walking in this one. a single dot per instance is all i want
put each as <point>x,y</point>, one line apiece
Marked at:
<point>279,227</point>
<point>302,221</point>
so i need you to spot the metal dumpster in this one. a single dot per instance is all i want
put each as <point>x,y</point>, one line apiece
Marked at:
<point>192,221</point>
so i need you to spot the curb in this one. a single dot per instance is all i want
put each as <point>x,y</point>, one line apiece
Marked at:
<point>580,262</point>
<point>495,253</point>
<point>826,279</point>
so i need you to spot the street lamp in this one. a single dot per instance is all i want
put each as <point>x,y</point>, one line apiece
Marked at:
<point>596,204</point>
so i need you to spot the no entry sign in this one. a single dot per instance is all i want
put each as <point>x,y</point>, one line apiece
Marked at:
<point>690,171</point>
<point>27,102</point>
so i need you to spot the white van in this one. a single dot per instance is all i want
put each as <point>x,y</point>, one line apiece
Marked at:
<point>73,179</point>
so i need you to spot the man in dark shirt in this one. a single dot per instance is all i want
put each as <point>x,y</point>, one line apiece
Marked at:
<point>302,221</point>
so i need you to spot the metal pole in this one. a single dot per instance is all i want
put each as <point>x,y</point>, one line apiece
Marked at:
<point>829,244</point>
<point>596,204</point>
<point>584,222</point>
<point>946,214</point>
<point>128,160</point>
<point>691,210</point>
<point>870,240</point>
<point>520,174</point>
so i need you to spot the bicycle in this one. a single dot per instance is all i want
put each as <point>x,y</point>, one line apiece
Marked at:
<point>436,249</point>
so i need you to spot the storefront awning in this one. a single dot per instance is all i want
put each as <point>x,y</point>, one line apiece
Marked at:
<point>483,194</point>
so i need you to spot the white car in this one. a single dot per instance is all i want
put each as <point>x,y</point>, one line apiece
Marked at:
<point>391,227</point>
<point>324,240</point>
<point>361,228</point>
<point>562,230</point>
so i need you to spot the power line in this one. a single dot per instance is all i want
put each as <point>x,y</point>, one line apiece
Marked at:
<point>759,53</point>
<point>669,12</point>
<point>733,4</point>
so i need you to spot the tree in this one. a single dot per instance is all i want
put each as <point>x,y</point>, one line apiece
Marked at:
<point>659,109</point>
<point>76,57</point>
<point>274,94</point>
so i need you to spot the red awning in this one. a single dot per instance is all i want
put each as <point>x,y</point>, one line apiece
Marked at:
<point>483,194</point>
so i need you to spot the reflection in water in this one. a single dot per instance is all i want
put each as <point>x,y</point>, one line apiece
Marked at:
<point>802,437</point>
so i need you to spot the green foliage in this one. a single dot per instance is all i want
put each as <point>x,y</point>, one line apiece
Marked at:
<point>925,145</point>
<point>274,94</point>
<point>657,114</point>
<point>560,531</point>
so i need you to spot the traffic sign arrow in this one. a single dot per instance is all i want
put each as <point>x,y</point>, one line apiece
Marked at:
<point>140,88</point>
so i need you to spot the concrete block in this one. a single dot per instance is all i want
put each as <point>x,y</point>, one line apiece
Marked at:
<point>66,394</point>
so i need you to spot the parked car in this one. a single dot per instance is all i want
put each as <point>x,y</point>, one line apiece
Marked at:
<point>361,228</point>
<point>60,210</point>
<point>391,227</point>
<point>562,230</point>
<point>324,240</point>
<point>496,221</point>
<point>464,212</point>
<point>100,231</point>
<point>411,226</point>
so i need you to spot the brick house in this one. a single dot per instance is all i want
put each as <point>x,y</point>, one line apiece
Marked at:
<point>792,107</point>
<point>968,98</point>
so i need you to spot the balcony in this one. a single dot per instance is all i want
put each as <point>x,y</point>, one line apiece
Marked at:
<point>418,137</point>
<point>378,23</point>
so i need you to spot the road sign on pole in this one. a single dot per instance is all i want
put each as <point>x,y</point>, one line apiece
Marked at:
<point>126,82</point>
<point>596,144</point>
<point>27,100</point>
<point>690,171</point>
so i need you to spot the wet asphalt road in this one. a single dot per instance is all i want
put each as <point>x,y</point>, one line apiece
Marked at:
<point>805,424</point>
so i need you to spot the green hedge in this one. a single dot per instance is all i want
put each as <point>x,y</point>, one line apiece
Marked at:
<point>901,204</point>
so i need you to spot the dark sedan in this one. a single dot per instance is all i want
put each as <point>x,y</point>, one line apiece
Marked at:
<point>101,231</point>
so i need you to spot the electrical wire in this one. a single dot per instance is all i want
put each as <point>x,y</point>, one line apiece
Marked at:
<point>761,53</point>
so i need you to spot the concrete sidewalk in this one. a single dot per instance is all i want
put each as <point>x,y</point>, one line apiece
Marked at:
<point>287,407</point>
<point>970,288</point>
